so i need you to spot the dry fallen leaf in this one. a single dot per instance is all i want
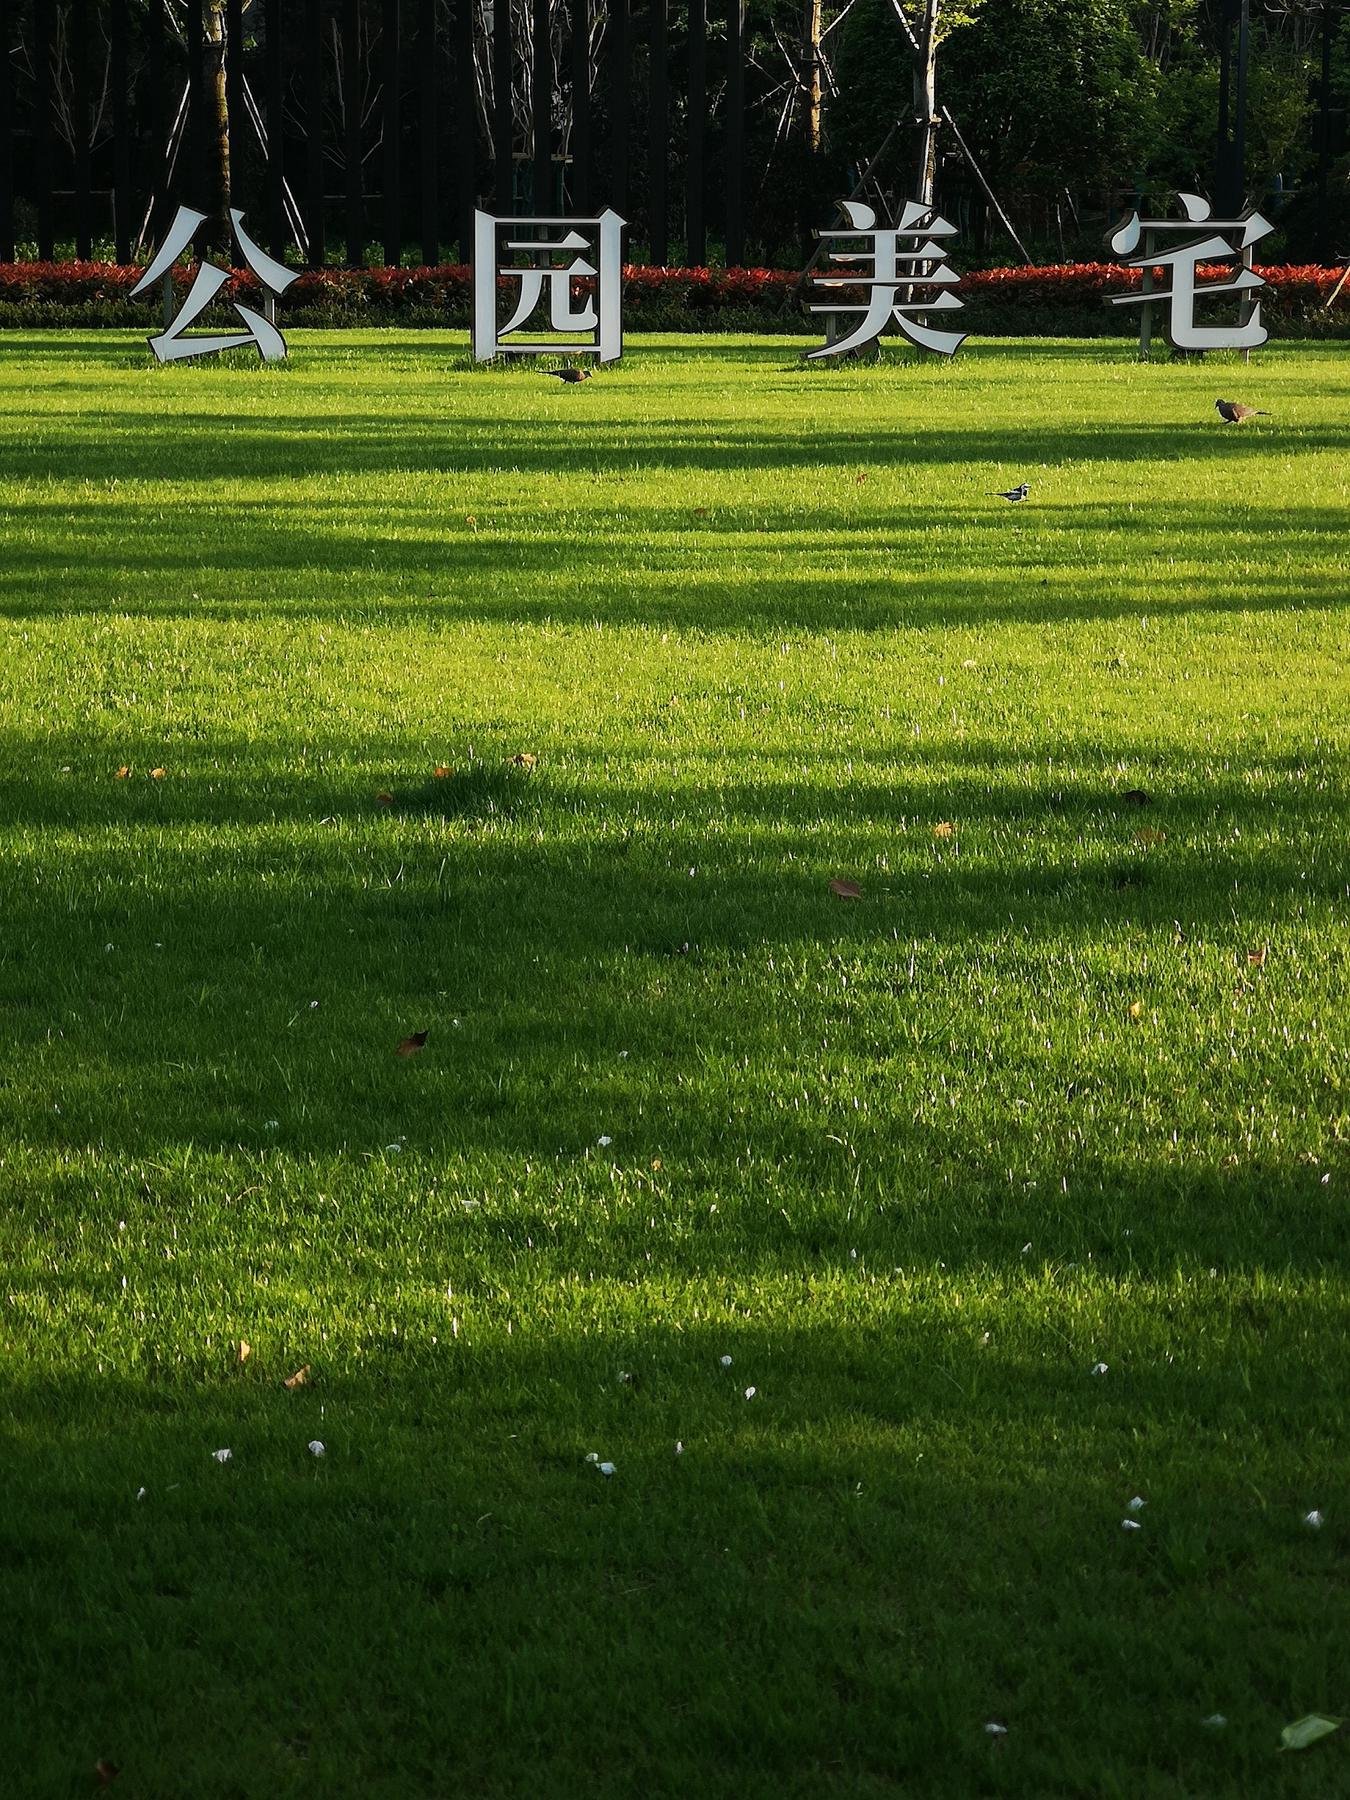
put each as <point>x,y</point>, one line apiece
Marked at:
<point>1148,836</point>
<point>411,1045</point>
<point>245,1351</point>
<point>525,759</point>
<point>156,774</point>
<point>106,1772</point>
<point>1257,957</point>
<point>1137,797</point>
<point>384,799</point>
<point>124,771</point>
<point>442,770</point>
<point>944,829</point>
<point>1136,1009</point>
<point>300,1377</point>
<point>471,519</point>
<point>862,476</point>
<point>656,1162</point>
<point>846,890</point>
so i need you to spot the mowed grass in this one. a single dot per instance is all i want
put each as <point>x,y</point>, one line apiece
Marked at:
<point>1066,1086</point>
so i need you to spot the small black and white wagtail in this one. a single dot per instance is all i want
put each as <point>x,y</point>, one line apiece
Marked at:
<point>1014,494</point>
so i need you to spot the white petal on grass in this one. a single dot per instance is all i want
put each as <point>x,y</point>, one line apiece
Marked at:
<point>140,1493</point>
<point>1313,1520</point>
<point>725,1361</point>
<point>750,1393</point>
<point>1130,1525</point>
<point>1215,1722</point>
<point>994,1729</point>
<point>315,1447</point>
<point>1099,1368</point>
<point>679,1447</point>
<point>592,1456</point>
<point>222,1456</point>
<point>606,1468</point>
<point>604,1142</point>
<point>1137,1504</point>
<point>1308,1730</point>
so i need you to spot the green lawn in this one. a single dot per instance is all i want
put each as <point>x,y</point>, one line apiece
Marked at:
<point>1066,1086</point>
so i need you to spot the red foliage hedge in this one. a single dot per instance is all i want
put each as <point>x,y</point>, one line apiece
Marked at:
<point>1064,298</point>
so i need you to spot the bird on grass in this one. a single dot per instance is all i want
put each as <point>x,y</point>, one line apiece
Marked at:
<point>1233,412</point>
<point>1020,492</point>
<point>570,374</point>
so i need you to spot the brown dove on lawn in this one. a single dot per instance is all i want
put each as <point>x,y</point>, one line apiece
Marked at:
<point>1233,412</point>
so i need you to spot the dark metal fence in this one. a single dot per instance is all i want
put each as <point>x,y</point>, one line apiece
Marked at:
<point>375,125</point>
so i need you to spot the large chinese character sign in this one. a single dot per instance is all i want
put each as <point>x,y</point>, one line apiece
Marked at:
<point>577,263</point>
<point>1207,240</point>
<point>170,345</point>
<point>884,262</point>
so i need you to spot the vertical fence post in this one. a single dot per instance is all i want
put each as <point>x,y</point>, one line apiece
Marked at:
<point>277,231</point>
<point>6,141</point>
<point>314,27</point>
<point>619,56</point>
<point>734,183</point>
<point>193,188</point>
<point>580,196</point>
<point>353,74</point>
<point>503,122</point>
<point>119,25</point>
<point>392,61</point>
<point>658,131</point>
<point>541,107</point>
<point>428,131</point>
<point>464,88</point>
<point>42,129</point>
<point>695,230</point>
<point>79,28</point>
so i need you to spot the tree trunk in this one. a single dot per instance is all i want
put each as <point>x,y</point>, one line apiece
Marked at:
<point>217,134</point>
<point>925,105</point>
<point>813,34</point>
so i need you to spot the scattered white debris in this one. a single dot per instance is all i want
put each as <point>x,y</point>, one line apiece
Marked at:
<point>750,1393</point>
<point>393,1149</point>
<point>312,1005</point>
<point>1130,1525</point>
<point>1137,1504</point>
<point>1313,1520</point>
<point>140,1493</point>
<point>1215,1722</point>
<point>592,1456</point>
<point>624,1376</point>
<point>1099,1368</point>
<point>605,1468</point>
<point>271,1124</point>
<point>994,1729</point>
<point>726,1362</point>
<point>604,1142</point>
<point>679,1447</point>
<point>222,1456</point>
<point>315,1447</point>
<point>1025,1249</point>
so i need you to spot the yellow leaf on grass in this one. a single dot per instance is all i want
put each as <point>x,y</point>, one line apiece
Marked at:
<point>300,1377</point>
<point>157,774</point>
<point>524,759</point>
<point>1257,957</point>
<point>1136,1009</point>
<point>442,770</point>
<point>124,771</point>
<point>944,829</point>
<point>245,1351</point>
<point>1147,836</point>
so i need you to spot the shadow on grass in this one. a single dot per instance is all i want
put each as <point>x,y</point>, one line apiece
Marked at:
<point>157,984</point>
<point>907,1534</point>
<point>741,568</point>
